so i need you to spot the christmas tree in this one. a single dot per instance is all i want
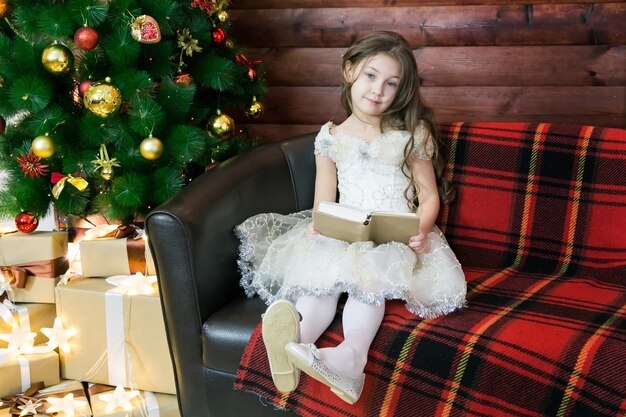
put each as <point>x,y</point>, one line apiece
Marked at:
<point>111,107</point>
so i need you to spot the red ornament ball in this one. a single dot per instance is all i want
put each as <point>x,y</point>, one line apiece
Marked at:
<point>86,38</point>
<point>83,86</point>
<point>3,125</point>
<point>26,222</point>
<point>218,36</point>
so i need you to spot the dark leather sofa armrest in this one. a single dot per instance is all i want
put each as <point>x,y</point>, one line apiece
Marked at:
<point>194,247</point>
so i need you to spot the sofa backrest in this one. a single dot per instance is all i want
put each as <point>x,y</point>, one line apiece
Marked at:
<point>542,198</point>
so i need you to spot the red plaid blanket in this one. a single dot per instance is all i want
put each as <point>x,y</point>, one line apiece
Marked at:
<point>538,228</point>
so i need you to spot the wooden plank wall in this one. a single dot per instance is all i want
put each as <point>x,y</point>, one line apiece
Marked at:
<point>548,61</point>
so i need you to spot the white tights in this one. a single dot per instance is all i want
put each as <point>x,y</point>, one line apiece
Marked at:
<point>360,324</point>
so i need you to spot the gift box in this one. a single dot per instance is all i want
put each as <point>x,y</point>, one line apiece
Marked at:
<point>36,290</point>
<point>120,338</point>
<point>44,398</point>
<point>142,403</point>
<point>29,317</point>
<point>32,263</point>
<point>20,372</point>
<point>104,256</point>
<point>19,248</point>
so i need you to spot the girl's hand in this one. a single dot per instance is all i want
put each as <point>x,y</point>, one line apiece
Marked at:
<point>311,229</point>
<point>419,243</point>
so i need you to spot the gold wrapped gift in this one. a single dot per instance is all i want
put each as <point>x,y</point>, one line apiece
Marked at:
<point>18,373</point>
<point>140,403</point>
<point>121,338</point>
<point>35,316</point>
<point>36,290</point>
<point>28,260</point>
<point>115,250</point>
<point>20,248</point>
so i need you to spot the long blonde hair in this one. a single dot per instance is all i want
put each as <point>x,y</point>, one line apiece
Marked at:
<point>408,109</point>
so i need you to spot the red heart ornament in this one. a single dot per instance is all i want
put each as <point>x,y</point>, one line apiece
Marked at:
<point>146,30</point>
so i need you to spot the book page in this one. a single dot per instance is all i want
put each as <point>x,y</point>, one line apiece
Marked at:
<point>344,211</point>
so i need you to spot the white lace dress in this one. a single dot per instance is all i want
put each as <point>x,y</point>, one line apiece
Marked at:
<point>279,259</point>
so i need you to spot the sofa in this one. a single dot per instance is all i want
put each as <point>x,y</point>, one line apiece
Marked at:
<point>537,226</point>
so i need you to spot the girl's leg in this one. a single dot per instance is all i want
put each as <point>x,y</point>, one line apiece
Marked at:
<point>317,314</point>
<point>360,325</point>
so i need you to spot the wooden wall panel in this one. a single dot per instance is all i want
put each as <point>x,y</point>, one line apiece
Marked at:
<point>541,24</point>
<point>458,66</point>
<point>604,105</point>
<point>537,60</point>
<point>313,4</point>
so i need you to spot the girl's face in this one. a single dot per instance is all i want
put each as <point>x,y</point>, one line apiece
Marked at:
<point>374,84</point>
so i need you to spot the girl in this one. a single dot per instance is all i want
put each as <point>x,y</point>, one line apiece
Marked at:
<point>384,156</point>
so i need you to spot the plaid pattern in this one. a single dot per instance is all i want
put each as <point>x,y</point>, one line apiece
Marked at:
<point>538,227</point>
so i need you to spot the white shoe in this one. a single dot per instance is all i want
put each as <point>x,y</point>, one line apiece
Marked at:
<point>307,358</point>
<point>281,325</point>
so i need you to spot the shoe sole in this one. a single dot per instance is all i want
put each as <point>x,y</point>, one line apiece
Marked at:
<point>303,364</point>
<point>281,325</point>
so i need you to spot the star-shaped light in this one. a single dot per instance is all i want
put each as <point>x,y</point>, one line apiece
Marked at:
<point>29,408</point>
<point>59,336</point>
<point>120,398</point>
<point>67,404</point>
<point>138,284</point>
<point>18,339</point>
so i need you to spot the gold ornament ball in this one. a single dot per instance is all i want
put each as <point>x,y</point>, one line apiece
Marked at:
<point>102,99</point>
<point>43,146</point>
<point>254,110</point>
<point>57,58</point>
<point>151,148</point>
<point>5,9</point>
<point>222,126</point>
<point>107,173</point>
<point>223,16</point>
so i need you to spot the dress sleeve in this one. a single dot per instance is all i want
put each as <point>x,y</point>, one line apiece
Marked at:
<point>423,146</point>
<point>324,141</point>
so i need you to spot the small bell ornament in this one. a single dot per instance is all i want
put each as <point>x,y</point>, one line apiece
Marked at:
<point>105,164</point>
<point>222,126</point>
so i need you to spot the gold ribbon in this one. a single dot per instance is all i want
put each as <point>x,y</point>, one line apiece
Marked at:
<point>78,182</point>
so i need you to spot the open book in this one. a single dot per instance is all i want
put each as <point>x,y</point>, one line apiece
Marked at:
<point>352,224</point>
